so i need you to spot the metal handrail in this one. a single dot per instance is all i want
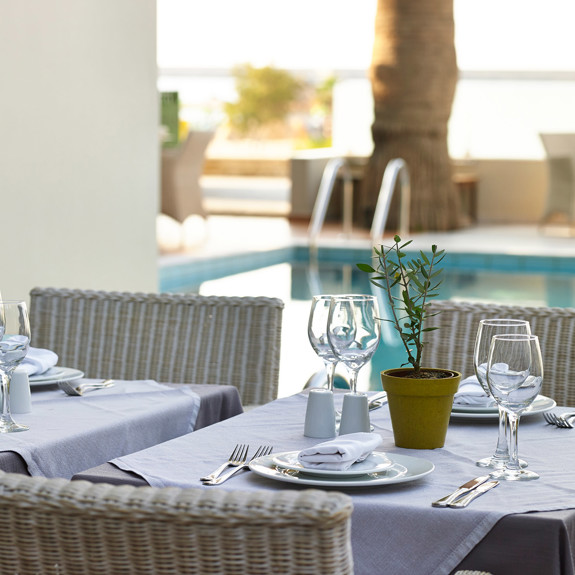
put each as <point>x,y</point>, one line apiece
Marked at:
<point>333,166</point>
<point>396,167</point>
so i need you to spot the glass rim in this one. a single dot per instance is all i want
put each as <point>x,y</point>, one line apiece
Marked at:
<point>504,321</point>
<point>353,296</point>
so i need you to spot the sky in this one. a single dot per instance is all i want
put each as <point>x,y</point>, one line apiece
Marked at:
<point>338,34</point>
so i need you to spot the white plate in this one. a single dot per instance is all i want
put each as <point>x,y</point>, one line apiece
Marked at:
<point>404,468</point>
<point>54,375</point>
<point>374,463</point>
<point>475,408</point>
<point>541,404</point>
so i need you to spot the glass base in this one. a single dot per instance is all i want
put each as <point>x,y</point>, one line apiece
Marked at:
<point>514,475</point>
<point>495,463</point>
<point>10,426</point>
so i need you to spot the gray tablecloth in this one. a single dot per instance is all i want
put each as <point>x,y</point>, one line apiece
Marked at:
<point>215,403</point>
<point>395,525</point>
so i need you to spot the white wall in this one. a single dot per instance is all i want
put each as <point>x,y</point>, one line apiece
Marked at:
<point>78,145</point>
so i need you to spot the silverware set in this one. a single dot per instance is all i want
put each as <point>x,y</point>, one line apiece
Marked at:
<point>563,420</point>
<point>238,460</point>
<point>465,494</point>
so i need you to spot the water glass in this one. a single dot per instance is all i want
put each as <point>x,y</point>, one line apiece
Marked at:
<point>317,334</point>
<point>487,329</point>
<point>353,331</point>
<point>514,377</point>
<point>14,344</point>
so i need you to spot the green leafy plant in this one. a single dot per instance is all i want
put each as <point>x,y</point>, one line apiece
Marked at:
<point>417,280</point>
<point>265,96</point>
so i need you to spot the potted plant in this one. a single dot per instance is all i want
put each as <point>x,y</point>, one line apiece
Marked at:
<point>420,398</point>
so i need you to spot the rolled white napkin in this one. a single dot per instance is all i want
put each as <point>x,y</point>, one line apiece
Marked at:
<point>340,453</point>
<point>470,392</point>
<point>38,360</point>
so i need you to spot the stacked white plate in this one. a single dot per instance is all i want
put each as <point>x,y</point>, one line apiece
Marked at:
<point>54,375</point>
<point>541,404</point>
<point>377,469</point>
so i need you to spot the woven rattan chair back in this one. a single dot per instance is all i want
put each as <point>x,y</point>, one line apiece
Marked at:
<point>452,346</point>
<point>179,338</point>
<point>80,528</point>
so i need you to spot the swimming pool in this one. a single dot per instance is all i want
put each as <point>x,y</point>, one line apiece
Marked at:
<point>289,274</point>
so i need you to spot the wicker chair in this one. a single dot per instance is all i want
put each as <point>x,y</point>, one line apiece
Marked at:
<point>452,346</point>
<point>184,338</point>
<point>53,526</point>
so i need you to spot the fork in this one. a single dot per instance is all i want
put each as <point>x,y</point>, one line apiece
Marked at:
<point>237,457</point>
<point>559,420</point>
<point>261,451</point>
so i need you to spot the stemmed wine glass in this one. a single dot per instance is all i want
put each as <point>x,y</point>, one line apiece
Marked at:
<point>514,377</point>
<point>487,329</point>
<point>14,344</point>
<point>317,333</point>
<point>353,332</point>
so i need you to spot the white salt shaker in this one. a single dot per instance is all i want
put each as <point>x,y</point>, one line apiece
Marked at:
<point>354,414</point>
<point>20,399</point>
<point>320,414</point>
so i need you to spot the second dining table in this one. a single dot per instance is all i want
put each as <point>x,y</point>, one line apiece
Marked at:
<point>66,432</point>
<point>517,528</point>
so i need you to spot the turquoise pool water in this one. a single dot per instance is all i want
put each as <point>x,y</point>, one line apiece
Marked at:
<point>289,275</point>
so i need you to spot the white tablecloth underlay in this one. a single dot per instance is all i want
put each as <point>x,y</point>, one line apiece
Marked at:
<point>392,517</point>
<point>68,434</point>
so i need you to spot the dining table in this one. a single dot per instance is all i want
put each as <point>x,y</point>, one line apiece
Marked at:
<point>516,528</point>
<point>67,431</point>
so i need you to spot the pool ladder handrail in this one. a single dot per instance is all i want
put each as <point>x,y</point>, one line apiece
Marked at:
<point>394,169</point>
<point>328,178</point>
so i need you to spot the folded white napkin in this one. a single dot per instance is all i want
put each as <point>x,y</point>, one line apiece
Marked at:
<point>38,361</point>
<point>340,453</point>
<point>470,392</point>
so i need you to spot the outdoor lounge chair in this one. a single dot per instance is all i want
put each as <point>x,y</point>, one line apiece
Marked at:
<point>181,171</point>
<point>176,338</point>
<point>452,345</point>
<point>54,526</point>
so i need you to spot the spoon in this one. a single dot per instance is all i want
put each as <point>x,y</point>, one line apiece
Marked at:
<point>68,388</point>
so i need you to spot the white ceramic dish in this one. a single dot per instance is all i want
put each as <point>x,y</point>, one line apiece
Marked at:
<point>54,375</point>
<point>540,405</point>
<point>404,468</point>
<point>376,462</point>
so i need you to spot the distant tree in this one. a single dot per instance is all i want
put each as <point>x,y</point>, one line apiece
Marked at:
<point>413,76</point>
<point>265,96</point>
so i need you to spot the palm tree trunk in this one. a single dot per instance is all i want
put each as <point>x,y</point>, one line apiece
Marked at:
<point>413,75</point>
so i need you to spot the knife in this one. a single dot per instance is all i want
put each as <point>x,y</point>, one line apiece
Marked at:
<point>465,488</point>
<point>480,490</point>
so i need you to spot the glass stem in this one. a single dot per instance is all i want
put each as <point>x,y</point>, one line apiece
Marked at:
<point>502,450</point>
<point>5,397</point>
<point>513,463</point>
<point>330,370</point>
<point>353,380</point>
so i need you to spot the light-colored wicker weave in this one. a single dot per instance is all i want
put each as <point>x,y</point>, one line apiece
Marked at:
<point>180,338</point>
<point>451,346</point>
<point>57,527</point>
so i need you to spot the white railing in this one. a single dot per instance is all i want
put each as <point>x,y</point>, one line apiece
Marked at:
<point>396,167</point>
<point>326,185</point>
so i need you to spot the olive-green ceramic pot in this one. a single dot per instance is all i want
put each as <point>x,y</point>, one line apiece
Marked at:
<point>419,408</point>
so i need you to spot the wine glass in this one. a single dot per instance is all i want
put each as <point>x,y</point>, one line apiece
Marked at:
<point>317,333</point>
<point>487,329</point>
<point>353,332</point>
<point>14,344</point>
<point>514,377</point>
